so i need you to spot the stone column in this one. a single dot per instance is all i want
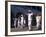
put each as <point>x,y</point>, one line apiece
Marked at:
<point>15,22</point>
<point>38,21</point>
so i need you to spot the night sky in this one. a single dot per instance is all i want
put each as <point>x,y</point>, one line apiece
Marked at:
<point>24,9</point>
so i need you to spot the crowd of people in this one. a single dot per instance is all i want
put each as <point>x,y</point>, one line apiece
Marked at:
<point>28,20</point>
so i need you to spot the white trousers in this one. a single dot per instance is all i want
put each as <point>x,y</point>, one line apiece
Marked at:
<point>29,24</point>
<point>22,21</point>
<point>18,22</point>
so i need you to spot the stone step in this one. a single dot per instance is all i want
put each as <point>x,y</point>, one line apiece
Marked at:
<point>34,28</point>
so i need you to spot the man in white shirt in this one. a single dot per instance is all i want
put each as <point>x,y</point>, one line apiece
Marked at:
<point>29,19</point>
